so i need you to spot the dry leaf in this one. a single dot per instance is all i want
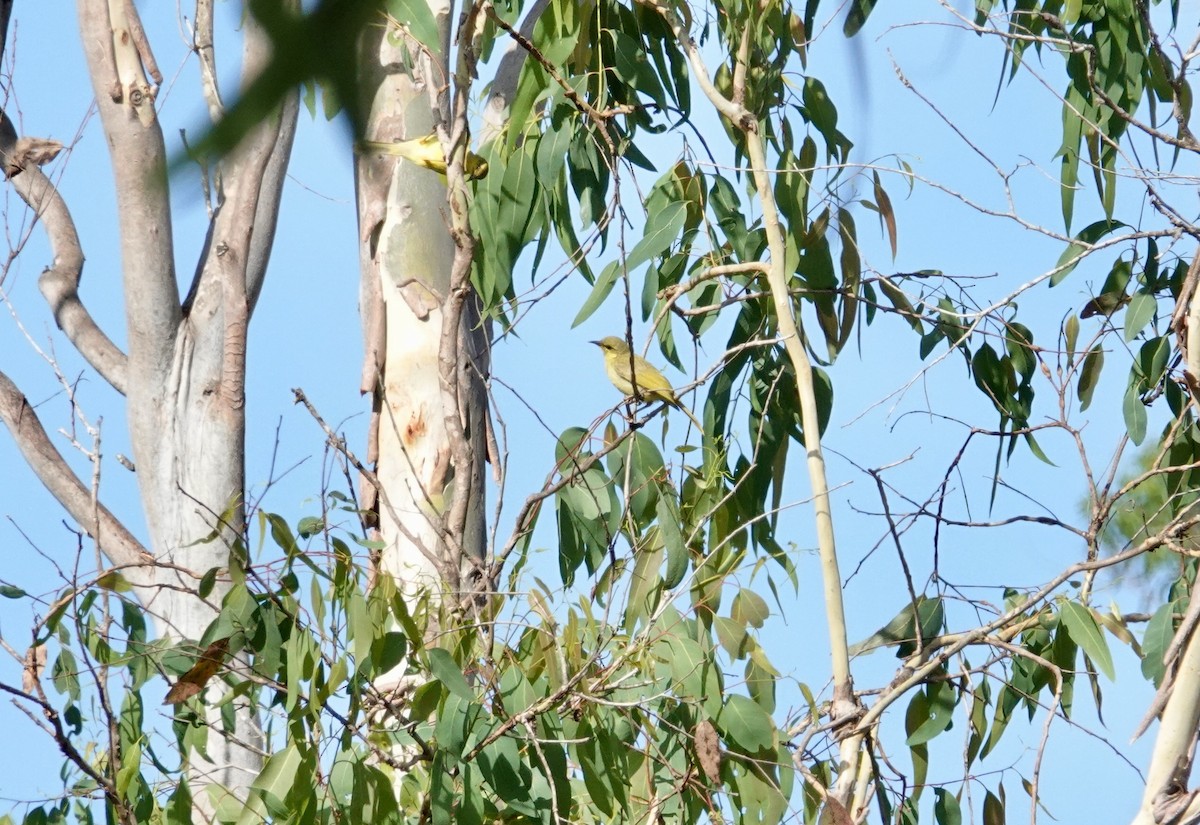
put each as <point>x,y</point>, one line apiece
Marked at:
<point>30,151</point>
<point>708,750</point>
<point>835,813</point>
<point>192,682</point>
<point>35,663</point>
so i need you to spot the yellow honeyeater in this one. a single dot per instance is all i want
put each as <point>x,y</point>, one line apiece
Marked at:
<point>427,152</point>
<point>626,369</point>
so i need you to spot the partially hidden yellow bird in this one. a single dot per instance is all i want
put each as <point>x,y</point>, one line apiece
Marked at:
<point>652,385</point>
<point>427,152</point>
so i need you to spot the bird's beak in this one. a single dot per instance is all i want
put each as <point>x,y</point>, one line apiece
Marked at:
<point>597,343</point>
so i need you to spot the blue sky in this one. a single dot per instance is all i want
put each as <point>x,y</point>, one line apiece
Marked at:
<point>305,334</point>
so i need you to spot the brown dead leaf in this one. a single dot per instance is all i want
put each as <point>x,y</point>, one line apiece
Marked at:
<point>708,750</point>
<point>29,151</point>
<point>192,682</point>
<point>835,813</point>
<point>35,663</point>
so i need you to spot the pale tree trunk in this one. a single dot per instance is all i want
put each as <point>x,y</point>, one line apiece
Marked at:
<point>1167,797</point>
<point>425,349</point>
<point>183,374</point>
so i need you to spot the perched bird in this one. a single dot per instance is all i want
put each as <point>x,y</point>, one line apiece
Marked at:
<point>625,369</point>
<point>1105,304</point>
<point>426,151</point>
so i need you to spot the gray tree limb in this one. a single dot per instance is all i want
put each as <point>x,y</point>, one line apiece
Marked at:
<point>508,74</point>
<point>268,157</point>
<point>60,282</point>
<point>125,101</point>
<point>117,543</point>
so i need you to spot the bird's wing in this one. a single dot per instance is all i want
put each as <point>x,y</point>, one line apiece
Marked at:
<point>649,378</point>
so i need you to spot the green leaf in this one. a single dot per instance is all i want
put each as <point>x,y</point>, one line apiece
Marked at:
<point>732,635</point>
<point>1135,414</point>
<point>1018,341</point>
<point>819,110</point>
<point>178,810</point>
<point>669,525</point>
<point>1036,449</point>
<point>387,652</point>
<point>644,582</point>
<point>1087,236</point>
<point>993,810</point>
<point>570,448</point>
<point>851,266</point>
<point>530,87</point>
<point>887,214</point>
<point>281,533</point>
<point>1150,271</point>
<point>920,762</point>
<point>592,767</point>
<point>980,698</point>
<point>930,712</point>
<point>1160,631</point>
<point>570,546</point>
<point>1072,129</point>
<point>993,376</point>
<point>418,17</point>
<point>360,626</point>
<point>508,775</point>
<point>603,286</point>
<point>663,228</point>
<point>632,66</point>
<point>902,305</point>
<point>278,777</point>
<point>1141,310</point>
<point>1151,364</point>
<point>1071,332</point>
<point>65,674</point>
<point>592,512</point>
<point>1087,634</point>
<point>442,792</point>
<point>207,582</point>
<point>946,810</point>
<point>746,724</point>
<point>761,677</point>
<point>750,608</point>
<point>640,481</point>
<point>687,663</point>
<point>1089,376</point>
<point>446,670</point>
<point>857,15</point>
<point>11,591</point>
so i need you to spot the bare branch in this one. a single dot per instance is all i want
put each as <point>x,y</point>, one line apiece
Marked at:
<point>60,282</point>
<point>202,44</point>
<point>268,150</point>
<point>52,470</point>
<point>234,260</point>
<point>141,43</point>
<point>508,73</point>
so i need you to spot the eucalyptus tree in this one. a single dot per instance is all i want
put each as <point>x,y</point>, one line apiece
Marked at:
<point>434,677</point>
